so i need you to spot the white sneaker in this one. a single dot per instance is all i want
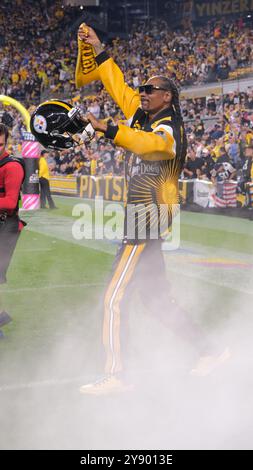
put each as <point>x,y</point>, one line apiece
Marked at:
<point>206,364</point>
<point>106,385</point>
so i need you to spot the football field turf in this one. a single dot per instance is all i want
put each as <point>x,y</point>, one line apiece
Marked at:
<point>54,295</point>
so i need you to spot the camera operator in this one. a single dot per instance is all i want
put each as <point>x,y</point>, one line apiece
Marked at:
<point>11,178</point>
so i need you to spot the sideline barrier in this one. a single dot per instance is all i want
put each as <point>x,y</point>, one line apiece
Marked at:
<point>111,188</point>
<point>65,185</point>
<point>203,194</point>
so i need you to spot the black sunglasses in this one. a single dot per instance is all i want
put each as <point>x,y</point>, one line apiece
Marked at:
<point>149,89</point>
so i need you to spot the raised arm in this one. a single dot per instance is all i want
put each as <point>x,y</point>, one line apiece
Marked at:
<point>109,73</point>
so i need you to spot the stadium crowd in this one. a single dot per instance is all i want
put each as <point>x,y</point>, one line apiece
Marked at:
<point>38,50</point>
<point>37,60</point>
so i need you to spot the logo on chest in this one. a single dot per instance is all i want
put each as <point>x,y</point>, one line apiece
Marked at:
<point>141,167</point>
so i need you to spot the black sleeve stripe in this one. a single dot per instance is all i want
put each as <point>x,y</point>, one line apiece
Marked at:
<point>111,132</point>
<point>102,57</point>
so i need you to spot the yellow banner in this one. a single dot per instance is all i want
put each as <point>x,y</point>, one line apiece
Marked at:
<point>64,185</point>
<point>111,188</point>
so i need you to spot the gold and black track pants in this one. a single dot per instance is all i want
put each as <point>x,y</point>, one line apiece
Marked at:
<point>141,267</point>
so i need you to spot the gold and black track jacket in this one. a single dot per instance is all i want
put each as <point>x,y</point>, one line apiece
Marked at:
<point>157,150</point>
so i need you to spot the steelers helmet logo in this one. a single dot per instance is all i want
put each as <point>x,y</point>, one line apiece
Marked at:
<point>40,124</point>
<point>54,122</point>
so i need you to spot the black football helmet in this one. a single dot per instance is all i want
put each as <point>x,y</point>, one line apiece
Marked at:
<point>54,122</point>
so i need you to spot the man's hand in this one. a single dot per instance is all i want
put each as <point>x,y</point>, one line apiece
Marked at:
<point>88,35</point>
<point>96,123</point>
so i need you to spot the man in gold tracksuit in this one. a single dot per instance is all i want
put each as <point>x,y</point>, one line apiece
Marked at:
<point>155,138</point>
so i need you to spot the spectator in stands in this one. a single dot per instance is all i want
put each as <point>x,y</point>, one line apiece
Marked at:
<point>223,171</point>
<point>193,165</point>
<point>205,172</point>
<point>106,157</point>
<point>234,151</point>
<point>248,165</point>
<point>217,132</point>
<point>94,108</point>
<point>223,156</point>
<point>211,105</point>
<point>199,127</point>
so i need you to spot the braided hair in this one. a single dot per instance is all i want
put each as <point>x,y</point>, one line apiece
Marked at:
<point>171,86</point>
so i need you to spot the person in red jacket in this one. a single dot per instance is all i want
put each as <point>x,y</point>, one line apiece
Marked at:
<point>11,178</point>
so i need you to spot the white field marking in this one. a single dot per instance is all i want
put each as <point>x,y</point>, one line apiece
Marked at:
<point>40,383</point>
<point>53,286</point>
